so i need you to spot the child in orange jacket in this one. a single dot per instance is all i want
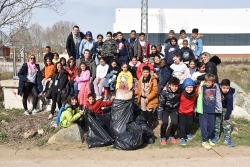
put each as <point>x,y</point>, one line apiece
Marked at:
<point>147,92</point>
<point>49,70</point>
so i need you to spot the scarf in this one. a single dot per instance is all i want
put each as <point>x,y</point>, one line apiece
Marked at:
<point>189,95</point>
<point>31,67</point>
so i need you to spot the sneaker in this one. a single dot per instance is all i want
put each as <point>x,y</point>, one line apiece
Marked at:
<point>163,141</point>
<point>105,98</point>
<point>26,112</point>
<point>50,116</point>
<point>189,137</point>
<point>215,139</point>
<point>229,143</point>
<point>173,140</point>
<point>211,143</point>
<point>206,145</point>
<point>34,112</point>
<point>183,141</point>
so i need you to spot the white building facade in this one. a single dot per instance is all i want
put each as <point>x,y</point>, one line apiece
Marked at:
<point>225,31</point>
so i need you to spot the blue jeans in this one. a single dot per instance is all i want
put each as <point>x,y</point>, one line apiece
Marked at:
<point>75,86</point>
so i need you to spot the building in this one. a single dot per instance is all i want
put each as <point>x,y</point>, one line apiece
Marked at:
<point>225,31</point>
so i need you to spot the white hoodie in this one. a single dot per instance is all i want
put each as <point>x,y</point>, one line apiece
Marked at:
<point>179,71</point>
<point>101,71</point>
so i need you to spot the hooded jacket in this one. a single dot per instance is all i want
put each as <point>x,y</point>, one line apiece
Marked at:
<point>138,49</point>
<point>227,102</point>
<point>109,48</point>
<point>169,52</point>
<point>186,54</point>
<point>92,67</point>
<point>168,102</point>
<point>85,44</point>
<point>69,116</point>
<point>70,45</point>
<point>153,92</point>
<point>198,45</point>
<point>215,104</point>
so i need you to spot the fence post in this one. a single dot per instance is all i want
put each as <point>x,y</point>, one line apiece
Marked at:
<point>15,77</point>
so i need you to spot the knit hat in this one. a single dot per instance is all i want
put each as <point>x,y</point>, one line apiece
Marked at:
<point>188,82</point>
<point>88,33</point>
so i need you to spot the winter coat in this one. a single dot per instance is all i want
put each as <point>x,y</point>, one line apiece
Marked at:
<point>211,68</point>
<point>71,73</point>
<point>139,69</point>
<point>69,116</point>
<point>138,49</point>
<point>153,92</point>
<point>92,67</point>
<point>200,101</point>
<point>70,45</point>
<point>126,46</point>
<point>22,75</point>
<point>62,80</point>
<point>97,106</point>
<point>85,44</point>
<point>114,70</point>
<point>157,68</point>
<point>97,48</point>
<point>168,102</point>
<point>84,77</point>
<point>186,54</point>
<point>198,45</point>
<point>132,43</point>
<point>109,81</point>
<point>109,48</point>
<point>169,52</point>
<point>227,102</point>
<point>133,68</point>
<point>164,76</point>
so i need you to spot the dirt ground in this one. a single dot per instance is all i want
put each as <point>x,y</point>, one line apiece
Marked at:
<point>147,157</point>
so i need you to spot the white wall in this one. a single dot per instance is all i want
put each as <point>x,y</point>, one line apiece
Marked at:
<point>206,20</point>
<point>227,49</point>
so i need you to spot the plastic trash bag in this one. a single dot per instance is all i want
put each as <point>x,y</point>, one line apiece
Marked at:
<point>121,114</point>
<point>96,133</point>
<point>129,140</point>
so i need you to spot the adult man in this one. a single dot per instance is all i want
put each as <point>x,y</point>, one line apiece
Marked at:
<point>91,66</point>
<point>73,41</point>
<point>48,54</point>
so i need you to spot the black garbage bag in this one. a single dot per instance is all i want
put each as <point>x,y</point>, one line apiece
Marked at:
<point>131,139</point>
<point>96,133</point>
<point>121,114</point>
<point>104,121</point>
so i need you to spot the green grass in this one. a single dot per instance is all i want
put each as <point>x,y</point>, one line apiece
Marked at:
<point>5,117</point>
<point>42,142</point>
<point>3,136</point>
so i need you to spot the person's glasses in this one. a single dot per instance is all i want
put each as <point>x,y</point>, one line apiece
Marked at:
<point>32,58</point>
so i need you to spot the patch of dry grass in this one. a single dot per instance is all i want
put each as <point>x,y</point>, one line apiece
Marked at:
<point>238,73</point>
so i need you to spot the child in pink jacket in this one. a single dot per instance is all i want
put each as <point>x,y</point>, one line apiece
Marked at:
<point>82,78</point>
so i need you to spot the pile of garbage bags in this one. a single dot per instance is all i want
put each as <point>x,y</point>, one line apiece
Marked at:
<point>122,125</point>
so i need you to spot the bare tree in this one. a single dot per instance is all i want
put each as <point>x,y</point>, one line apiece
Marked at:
<point>16,14</point>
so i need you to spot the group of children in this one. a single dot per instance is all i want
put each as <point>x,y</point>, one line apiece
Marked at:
<point>166,83</point>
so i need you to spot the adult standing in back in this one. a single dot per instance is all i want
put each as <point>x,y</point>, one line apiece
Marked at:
<point>30,81</point>
<point>48,54</point>
<point>73,41</point>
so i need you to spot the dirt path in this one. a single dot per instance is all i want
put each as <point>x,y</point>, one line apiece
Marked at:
<point>74,157</point>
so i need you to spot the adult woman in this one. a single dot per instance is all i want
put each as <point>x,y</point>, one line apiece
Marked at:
<point>211,65</point>
<point>59,81</point>
<point>30,82</point>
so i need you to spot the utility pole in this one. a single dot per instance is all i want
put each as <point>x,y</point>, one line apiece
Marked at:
<point>144,17</point>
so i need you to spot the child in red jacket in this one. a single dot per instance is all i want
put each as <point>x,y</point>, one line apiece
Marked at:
<point>186,109</point>
<point>96,105</point>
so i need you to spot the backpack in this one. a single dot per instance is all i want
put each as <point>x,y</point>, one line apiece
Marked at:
<point>59,114</point>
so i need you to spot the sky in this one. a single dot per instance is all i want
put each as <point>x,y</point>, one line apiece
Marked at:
<point>98,16</point>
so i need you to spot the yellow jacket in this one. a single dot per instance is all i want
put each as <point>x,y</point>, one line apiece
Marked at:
<point>124,78</point>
